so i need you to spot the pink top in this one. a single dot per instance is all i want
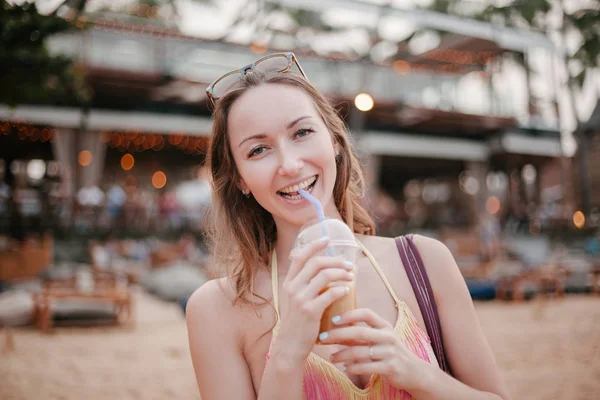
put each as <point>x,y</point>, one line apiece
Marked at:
<point>324,381</point>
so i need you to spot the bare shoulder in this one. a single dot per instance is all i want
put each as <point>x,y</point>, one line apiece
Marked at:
<point>215,338</point>
<point>433,249</point>
<point>211,302</point>
<point>469,354</point>
<point>442,270</point>
<point>379,246</point>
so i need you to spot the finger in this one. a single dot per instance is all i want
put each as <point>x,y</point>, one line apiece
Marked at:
<point>319,263</point>
<point>364,334</point>
<point>358,354</point>
<point>326,277</point>
<point>365,315</point>
<point>301,255</point>
<point>368,368</point>
<point>329,296</point>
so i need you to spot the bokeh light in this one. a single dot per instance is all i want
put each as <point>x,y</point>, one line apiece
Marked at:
<point>259,47</point>
<point>36,169</point>
<point>492,205</point>
<point>364,102</point>
<point>159,179</point>
<point>401,67</point>
<point>84,158</point>
<point>127,162</point>
<point>579,219</point>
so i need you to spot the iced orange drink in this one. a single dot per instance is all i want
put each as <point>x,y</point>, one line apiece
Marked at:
<point>342,244</point>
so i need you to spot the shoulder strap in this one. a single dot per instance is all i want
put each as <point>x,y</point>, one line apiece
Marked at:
<point>421,286</point>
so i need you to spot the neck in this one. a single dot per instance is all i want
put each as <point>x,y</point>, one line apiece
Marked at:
<point>286,235</point>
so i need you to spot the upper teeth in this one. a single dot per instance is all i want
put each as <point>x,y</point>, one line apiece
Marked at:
<point>301,185</point>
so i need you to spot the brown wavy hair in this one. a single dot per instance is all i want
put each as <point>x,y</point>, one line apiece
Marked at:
<point>242,233</point>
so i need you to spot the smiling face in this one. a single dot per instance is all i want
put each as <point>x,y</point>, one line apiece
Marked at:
<point>280,144</point>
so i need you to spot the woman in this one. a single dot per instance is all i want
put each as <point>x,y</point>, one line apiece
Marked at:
<point>252,334</point>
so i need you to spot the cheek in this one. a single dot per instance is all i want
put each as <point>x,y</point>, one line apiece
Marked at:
<point>257,175</point>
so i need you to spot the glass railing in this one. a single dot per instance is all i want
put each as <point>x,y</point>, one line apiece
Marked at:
<point>203,61</point>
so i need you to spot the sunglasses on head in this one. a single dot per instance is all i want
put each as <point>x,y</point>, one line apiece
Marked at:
<point>278,62</point>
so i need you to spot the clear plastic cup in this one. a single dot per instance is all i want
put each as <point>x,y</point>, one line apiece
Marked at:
<point>343,244</point>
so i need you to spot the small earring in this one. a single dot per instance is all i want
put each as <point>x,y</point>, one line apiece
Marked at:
<point>338,156</point>
<point>246,193</point>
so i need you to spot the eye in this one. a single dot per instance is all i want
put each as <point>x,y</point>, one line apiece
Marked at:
<point>303,132</point>
<point>256,151</point>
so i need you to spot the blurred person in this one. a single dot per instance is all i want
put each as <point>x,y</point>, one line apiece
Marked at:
<point>273,130</point>
<point>115,201</point>
<point>169,211</point>
<point>190,251</point>
<point>90,199</point>
<point>131,208</point>
<point>59,203</point>
<point>146,212</point>
<point>385,212</point>
<point>30,207</point>
<point>489,236</point>
<point>5,195</point>
<point>17,223</point>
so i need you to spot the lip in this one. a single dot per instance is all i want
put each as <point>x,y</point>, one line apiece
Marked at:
<point>296,182</point>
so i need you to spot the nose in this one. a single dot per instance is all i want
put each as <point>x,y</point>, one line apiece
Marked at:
<point>290,163</point>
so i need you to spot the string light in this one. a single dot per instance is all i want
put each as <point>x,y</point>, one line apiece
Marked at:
<point>140,141</point>
<point>463,57</point>
<point>29,132</point>
<point>128,141</point>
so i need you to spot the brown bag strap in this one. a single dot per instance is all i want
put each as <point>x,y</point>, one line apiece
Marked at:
<point>417,275</point>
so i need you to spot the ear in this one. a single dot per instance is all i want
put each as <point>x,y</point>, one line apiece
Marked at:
<point>242,186</point>
<point>337,149</point>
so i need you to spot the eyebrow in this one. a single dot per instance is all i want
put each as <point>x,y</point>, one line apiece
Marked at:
<point>263,136</point>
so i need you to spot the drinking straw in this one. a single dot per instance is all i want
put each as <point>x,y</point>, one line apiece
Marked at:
<point>320,214</point>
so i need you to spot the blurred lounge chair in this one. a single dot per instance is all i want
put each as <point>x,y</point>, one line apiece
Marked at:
<point>27,259</point>
<point>103,261</point>
<point>84,298</point>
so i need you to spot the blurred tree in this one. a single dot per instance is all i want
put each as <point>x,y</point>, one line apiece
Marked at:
<point>539,15</point>
<point>28,73</point>
<point>79,5</point>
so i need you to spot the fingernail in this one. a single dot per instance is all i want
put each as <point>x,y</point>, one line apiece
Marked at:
<point>324,239</point>
<point>347,289</point>
<point>323,336</point>
<point>348,264</point>
<point>336,319</point>
<point>352,275</point>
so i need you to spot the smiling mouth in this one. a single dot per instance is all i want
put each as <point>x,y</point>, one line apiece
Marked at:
<point>292,193</point>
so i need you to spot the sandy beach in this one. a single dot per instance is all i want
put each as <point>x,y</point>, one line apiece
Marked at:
<point>549,354</point>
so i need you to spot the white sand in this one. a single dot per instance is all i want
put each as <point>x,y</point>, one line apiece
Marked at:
<point>552,356</point>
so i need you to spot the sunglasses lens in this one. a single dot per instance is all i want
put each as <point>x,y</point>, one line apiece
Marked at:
<point>224,84</point>
<point>276,63</point>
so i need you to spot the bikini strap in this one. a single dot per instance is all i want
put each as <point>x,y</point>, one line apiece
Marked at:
<point>380,272</point>
<point>275,282</point>
<point>275,289</point>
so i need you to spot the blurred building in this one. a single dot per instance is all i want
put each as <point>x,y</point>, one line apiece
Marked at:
<point>455,129</point>
<point>586,171</point>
